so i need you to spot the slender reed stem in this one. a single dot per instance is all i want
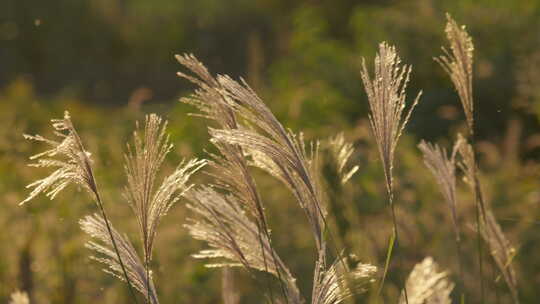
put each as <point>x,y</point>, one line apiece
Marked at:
<point>494,278</point>
<point>396,240</point>
<point>480,212</point>
<point>147,269</point>
<point>113,241</point>
<point>394,243</point>
<point>269,286</point>
<point>460,265</point>
<point>479,246</point>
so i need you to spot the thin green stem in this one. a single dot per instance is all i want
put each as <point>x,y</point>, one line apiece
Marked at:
<point>394,242</point>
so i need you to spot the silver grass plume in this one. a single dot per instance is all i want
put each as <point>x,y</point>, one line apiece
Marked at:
<point>457,63</point>
<point>443,169</point>
<point>281,152</point>
<point>341,151</point>
<point>19,297</point>
<point>501,250</point>
<point>142,164</point>
<point>386,96</point>
<point>337,283</point>
<point>231,167</point>
<point>94,225</point>
<point>72,163</point>
<point>248,124</point>
<point>428,285</point>
<point>73,166</point>
<point>233,236</point>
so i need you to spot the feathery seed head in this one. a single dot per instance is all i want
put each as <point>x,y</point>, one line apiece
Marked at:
<point>234,237</point>
<point>338,283</point>
<point>443,169</point>
<point>457,63</point>
<point>95,226</point>
<point>249,125</point>
<point>341,151</point>
<point>71,161</point>
<point>19,297</point>
<point>143,163</point>
<point>386,96</point>
<point>428,285</point>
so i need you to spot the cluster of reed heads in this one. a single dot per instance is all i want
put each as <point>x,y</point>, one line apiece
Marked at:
<point>229,213</point>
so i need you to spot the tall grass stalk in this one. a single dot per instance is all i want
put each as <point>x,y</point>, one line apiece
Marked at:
<point>458,63</point>
<point>386,96</point>
<point>73,166</point>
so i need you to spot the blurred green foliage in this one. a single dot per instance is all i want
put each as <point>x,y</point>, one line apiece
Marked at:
<point>110,62</point>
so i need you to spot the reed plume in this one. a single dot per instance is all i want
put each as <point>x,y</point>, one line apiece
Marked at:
<point>249,134</point>
<point>72,163</point>
<point>426,284</point>
<point>386,96</point>
<point>336,284</point>
<point>341,152</point>
<point>234,237</point>
<point>19,297</point>
<point>457,63</point>
<point>230,168</point>
<point>94,225</point>
<point>443,168</point>
<point>142,164</point>
<point>73,166</point>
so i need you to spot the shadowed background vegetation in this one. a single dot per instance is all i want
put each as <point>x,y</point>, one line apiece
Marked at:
<point>111,62</point>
